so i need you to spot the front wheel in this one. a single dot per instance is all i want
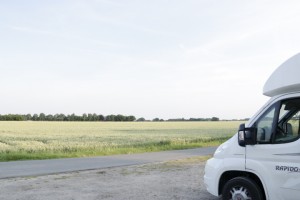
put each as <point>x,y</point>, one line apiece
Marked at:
<point>241,188</point>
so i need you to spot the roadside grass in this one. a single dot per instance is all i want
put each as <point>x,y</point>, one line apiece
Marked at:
<point>47,140</point>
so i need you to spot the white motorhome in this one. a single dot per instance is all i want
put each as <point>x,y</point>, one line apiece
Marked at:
<point>262,161</point>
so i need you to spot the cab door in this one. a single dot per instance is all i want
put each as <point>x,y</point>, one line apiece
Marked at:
<point>276,156</point>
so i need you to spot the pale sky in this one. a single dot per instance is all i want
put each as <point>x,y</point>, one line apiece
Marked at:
<point>157,58</point>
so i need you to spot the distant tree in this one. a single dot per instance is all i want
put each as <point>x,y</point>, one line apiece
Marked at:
<point>177,119</point>
<point>95,117</point>
<point>60,117</point>
<point>142,119</point>
<point>49,118</point>
<point>28,117</point>
<point>19,118</point>
<point>35,117</point>
<point>84,117</point>
<point>42,117</point>
<point>90,117</point>
<point>131,118</point>
<point>71,117</point>
<point>101,117</point>
<point>215,119</point>
<point>246,119</point>
<point>110,118</point>
<point>155,120</point>
<point>119,118</point>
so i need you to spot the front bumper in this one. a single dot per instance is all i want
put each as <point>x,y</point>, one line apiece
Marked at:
<point>212,175</point>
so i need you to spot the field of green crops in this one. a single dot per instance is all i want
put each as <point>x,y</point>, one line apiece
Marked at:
<point>44,140</point>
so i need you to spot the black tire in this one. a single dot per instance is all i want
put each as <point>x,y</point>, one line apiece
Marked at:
<point>241,188</point>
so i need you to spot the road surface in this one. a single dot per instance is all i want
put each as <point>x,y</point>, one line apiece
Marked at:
<point>172,180</point>
<point>55,166</point>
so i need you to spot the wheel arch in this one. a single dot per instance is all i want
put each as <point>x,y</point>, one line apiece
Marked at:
<point>228,175</point>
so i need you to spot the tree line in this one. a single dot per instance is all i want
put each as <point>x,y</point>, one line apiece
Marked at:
<point>181,119</point>
<point>91,117</point>
<point>62,117</point>
<point>196,119</point>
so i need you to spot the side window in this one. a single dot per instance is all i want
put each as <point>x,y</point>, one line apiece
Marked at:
<point>287,129</point>
<point>264,126</point>
<point>280,123</point>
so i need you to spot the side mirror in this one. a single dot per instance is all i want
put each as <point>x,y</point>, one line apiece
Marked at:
<point>246,136</point>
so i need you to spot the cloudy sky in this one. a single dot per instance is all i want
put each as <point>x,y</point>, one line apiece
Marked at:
<point>158,58</point>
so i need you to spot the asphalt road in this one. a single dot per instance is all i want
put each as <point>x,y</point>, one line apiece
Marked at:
<point>172,180</point>
<point>55,166</point>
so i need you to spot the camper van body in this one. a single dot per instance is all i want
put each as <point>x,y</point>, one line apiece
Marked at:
<point>262,160</point>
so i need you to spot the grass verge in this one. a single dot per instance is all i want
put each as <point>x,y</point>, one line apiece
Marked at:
<point>86,152</point>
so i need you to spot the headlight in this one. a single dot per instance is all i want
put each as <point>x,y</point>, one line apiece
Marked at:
<point>220,150</point>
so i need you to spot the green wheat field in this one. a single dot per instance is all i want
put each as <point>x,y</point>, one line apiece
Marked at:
<point>45,140</point>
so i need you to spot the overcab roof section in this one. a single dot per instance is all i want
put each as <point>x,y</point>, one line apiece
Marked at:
<point>285,79</point>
